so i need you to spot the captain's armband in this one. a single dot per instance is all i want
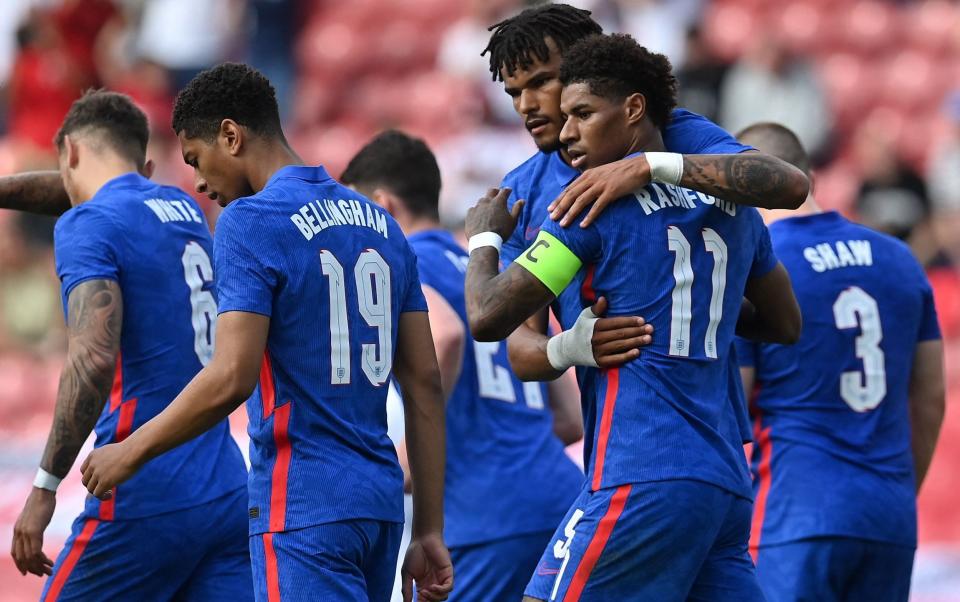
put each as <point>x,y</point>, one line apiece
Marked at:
<point>551,262</point>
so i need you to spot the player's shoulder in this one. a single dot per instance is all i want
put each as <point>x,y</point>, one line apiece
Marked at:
<point>527,172</point>
<point>89,218</point>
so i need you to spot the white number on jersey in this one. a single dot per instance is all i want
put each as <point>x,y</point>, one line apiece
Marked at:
<point>682,299</point>
<point>496,381</point>
<point>862,391</point>
<point>372,276</point>
<point>198,273</point>
<point>561,548</point>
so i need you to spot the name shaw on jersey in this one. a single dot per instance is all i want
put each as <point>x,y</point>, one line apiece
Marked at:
<point>318,215</point>
<point>659,196</point>
<point>838,254</point>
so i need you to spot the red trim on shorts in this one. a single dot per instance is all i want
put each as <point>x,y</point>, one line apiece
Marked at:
<point>586,289</point>
<point>609,401</point>
<point>123,430</point>
<point>281,468</point>
<point>273,575</point>
<point>598,543</point>
<point>762,438</point>
<point>73,556</point>
<point>268,392</point>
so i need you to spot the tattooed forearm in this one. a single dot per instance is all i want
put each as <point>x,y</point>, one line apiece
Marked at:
<point>498,303</point>
<point>751,179</point>
<point>34,192</point>
<point>95,317</point>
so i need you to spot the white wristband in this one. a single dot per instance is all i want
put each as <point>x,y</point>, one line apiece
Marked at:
<point>484,239</point>
<point>45,480</point>
<point>574,347</point>
<point>665,167</point>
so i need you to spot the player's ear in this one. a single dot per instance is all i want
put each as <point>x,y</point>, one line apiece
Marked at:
<point>72,151</point>
<point>231,136</point>
<point>635,106</point>
<point>385,199</point>
<point>148,169</point>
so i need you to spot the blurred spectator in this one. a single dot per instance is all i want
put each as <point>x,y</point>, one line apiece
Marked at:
<point>273,26</point>
<point>79,23</point>
<point>892,196</point>
<point>770,84</point>
<point>45,82</point>
<point>700,76</point>
<point>187,36</point>
<point>660,25</point>
<point>30,318</point>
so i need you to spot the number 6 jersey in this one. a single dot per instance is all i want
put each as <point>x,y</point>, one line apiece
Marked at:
<point>333,272</point>
<point>680,259</point>
<point>832,454</point>
<point>154,242</point>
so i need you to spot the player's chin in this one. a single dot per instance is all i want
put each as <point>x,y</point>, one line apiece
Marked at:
<point>548,141</point>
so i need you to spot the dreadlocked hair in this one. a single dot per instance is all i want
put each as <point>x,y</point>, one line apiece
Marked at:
<point>517,41</point>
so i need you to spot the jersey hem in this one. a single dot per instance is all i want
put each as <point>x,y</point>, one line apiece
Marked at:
<point>88,513</point>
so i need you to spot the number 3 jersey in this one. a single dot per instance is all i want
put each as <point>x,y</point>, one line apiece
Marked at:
<point>680,259</point>
<point>833,455</point>
<point>154,242</point>
<point>333,273</point>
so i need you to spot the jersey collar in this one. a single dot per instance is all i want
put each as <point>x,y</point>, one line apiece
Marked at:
<point>563,173</point>
<point>301,172</point>
<point>127,180</point>
<point>825,218</point>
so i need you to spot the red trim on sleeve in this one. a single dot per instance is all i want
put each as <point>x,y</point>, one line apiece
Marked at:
<point>762,437</point>
<point>268,391</point>
<point>598,543</point>
<point>273,574</point>
<point>609,401</point>
<point>73,556</point>
<point>281,468</point>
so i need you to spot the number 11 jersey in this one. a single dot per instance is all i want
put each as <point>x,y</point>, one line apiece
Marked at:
<point>333,272</point>
<point>832,455</point>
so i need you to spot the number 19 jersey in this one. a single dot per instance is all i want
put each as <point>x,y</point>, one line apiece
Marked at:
<point>833,455</point>
<point>680,259</point>
<point>333,272</point>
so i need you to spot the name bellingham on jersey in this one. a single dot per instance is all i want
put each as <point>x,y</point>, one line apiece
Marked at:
<point>316,216</point>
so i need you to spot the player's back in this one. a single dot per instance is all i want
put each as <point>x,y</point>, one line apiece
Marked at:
<point>154,241</point>
<point>507,473</point>
<point>681,260</point>
<point>833,409</point>
<point>333,272</point>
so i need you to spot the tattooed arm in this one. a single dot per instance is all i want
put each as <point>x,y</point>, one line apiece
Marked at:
<point>34,192</point>
<point>95,317</point>
<point>748,178</point>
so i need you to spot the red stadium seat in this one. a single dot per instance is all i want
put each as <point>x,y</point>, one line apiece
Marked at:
<point>871,26</point>
<point>802,27</point>
<point>728,29</point>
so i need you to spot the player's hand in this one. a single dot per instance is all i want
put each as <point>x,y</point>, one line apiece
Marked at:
<point>490,214</point>
<point>27,547</point>
<point>106,467</point>
<point>428,564</point>
<point>599,186</point>
<point>618,340</point>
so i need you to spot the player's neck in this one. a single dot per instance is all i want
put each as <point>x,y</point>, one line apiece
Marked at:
<point>96,177</point>
<point>267,158</point>
<point>809,207</point>
<point>414,225</point>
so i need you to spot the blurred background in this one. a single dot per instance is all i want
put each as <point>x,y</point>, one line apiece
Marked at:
<point>872,87</point>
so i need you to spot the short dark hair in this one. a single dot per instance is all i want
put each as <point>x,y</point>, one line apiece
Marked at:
<point>777,140</point>
<point>228,91</point>
<point>404,165</point>
<point>517,41</point>
<point>114,116</point>
<point>616,66</point>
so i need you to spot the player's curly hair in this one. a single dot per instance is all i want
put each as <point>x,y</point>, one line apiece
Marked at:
<point>616,66</point>
<point>517,41</point>
<point>114,117</point>
<point>228,91</point>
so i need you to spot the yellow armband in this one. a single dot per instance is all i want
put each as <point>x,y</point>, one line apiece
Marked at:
<point>551,262</point>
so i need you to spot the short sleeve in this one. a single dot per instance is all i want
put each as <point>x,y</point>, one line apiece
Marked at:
<point>244,282</point>
<point>413,300</point>
<point>764,259</point>
<point>688,133</point>
<point>517,243</point>
<point>585,243</point>
<point>929,324</point>
<point>86,247</point>
<point>746,352</point>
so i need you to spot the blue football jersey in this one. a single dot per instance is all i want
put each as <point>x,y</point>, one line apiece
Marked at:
<point>681,259</point>
<point>333,272</point>
<point>542,178</point>
<point>154,242</point>
<point>507,473</point>
<point>833,455</point>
